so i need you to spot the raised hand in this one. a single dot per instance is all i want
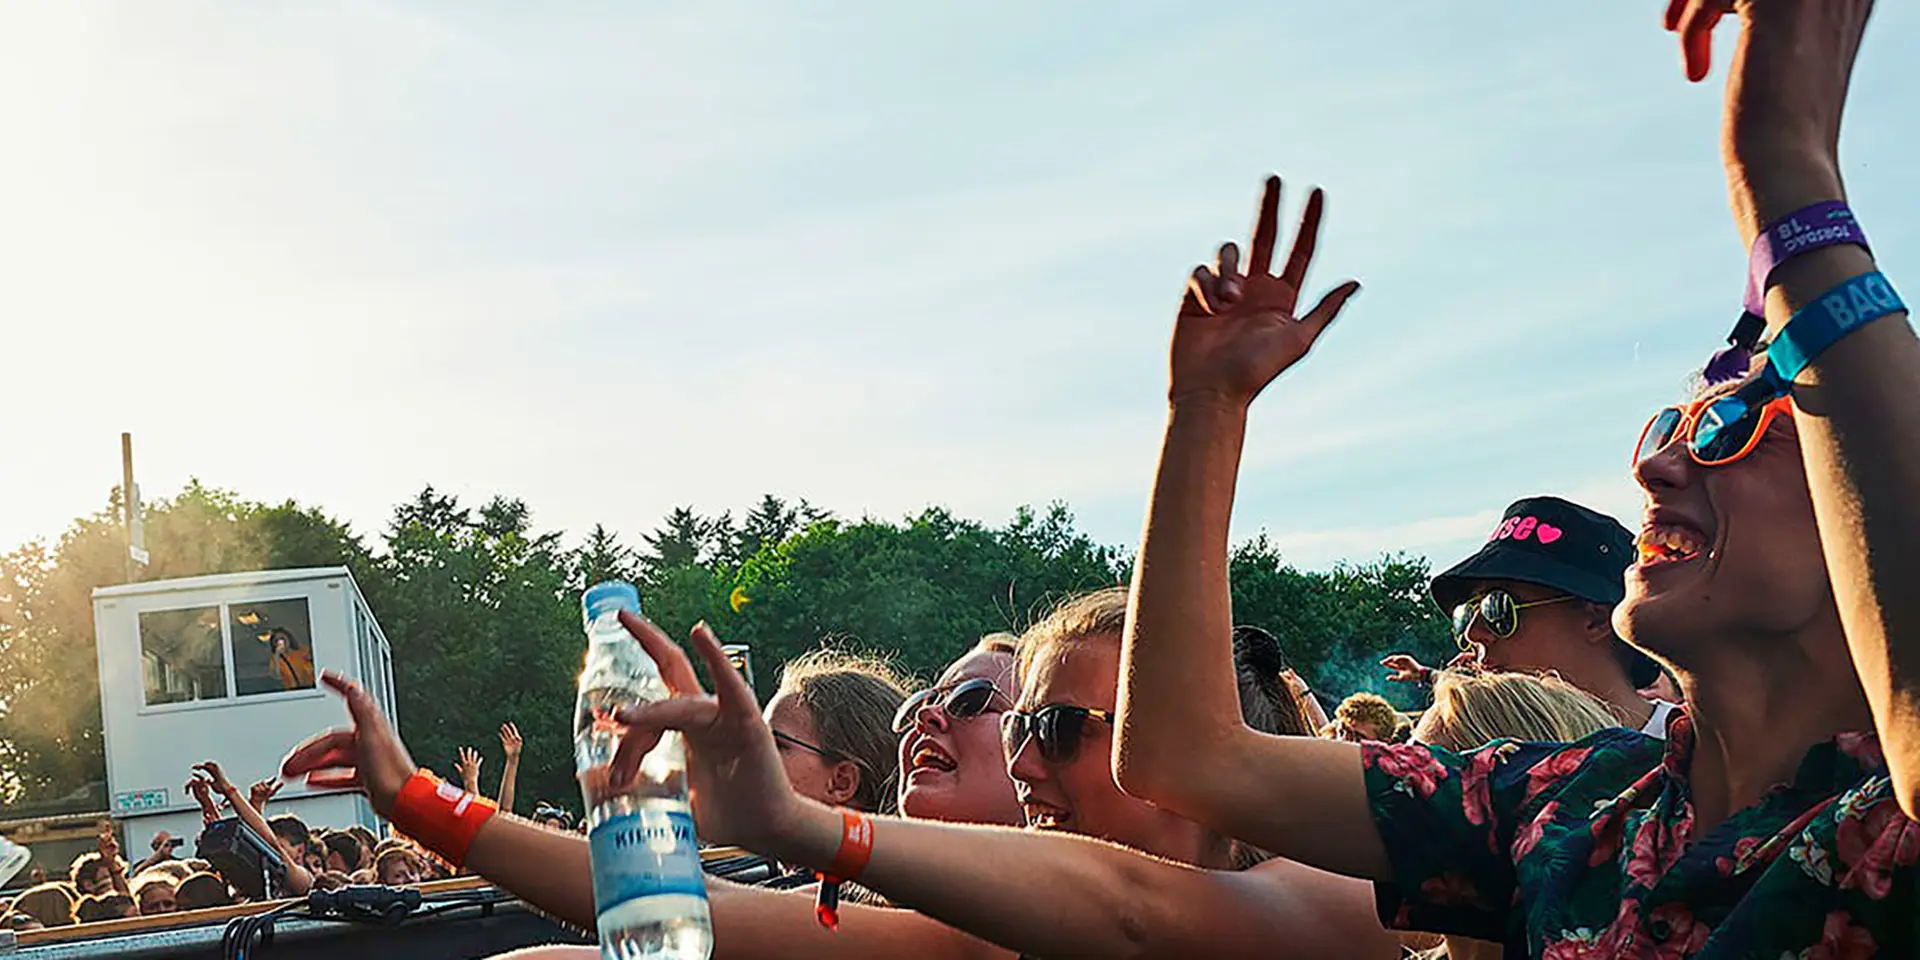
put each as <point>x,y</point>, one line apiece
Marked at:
<point>216,778</point>
<point>109,845</point>
<point>1694,21</point>
<point>1237,331</point>
<point>739,789</point>
<point>1405,669</point>
<point>468,767</point>
<point>369,757</point>
<point>510,741</point>
<point>262,791</point>
<point>201,789</point>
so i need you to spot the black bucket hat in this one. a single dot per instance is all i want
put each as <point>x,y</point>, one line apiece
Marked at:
<point>1552,542</point>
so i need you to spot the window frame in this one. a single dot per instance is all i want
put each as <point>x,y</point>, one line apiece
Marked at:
<point>232,696</point>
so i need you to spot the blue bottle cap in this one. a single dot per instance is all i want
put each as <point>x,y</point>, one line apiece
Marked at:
<point>605,598</point>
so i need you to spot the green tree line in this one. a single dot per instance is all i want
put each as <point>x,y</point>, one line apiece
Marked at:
<point>481,608</point>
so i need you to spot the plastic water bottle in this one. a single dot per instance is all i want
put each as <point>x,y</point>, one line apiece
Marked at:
<point>649,891</point>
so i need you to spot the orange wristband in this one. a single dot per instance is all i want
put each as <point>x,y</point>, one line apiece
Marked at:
<point>856,846</point>
<point>440,816</point>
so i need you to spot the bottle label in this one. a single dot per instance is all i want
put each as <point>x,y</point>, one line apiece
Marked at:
<point>646,853</point>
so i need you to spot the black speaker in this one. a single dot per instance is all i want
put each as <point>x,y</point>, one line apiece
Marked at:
<point>247,863</point>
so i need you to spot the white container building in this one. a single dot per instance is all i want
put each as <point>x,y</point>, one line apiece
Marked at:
<point>224,668</point>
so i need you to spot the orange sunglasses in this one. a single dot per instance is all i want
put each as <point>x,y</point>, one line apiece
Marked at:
<point>1718,431</point>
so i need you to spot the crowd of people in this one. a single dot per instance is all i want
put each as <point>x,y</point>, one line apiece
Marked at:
<point>1697,738</point>
<point>101,885</point>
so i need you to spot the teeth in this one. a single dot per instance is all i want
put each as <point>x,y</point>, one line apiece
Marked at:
<point>1669,543</point>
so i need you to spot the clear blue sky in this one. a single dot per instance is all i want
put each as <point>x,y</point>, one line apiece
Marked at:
<point>614,257</point>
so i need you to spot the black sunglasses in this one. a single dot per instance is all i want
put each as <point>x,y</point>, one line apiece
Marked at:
<point>815,749</point>
<point>968,698</point>
<point>1057,727</point>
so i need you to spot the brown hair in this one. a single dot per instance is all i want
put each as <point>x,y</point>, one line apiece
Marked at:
<point>106,906</point>
<point>202,890</point>
<point>85,864</point>
<point>49,903</point>
<point>852,700</point>
<point>1006,643</point>
<point>1471,708</point>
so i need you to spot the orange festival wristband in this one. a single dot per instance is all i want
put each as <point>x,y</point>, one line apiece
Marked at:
<point>440,816</point>
<point>856,848</point>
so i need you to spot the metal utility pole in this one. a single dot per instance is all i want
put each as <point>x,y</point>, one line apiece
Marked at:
<point>130,511</point>
<point>126,495</point>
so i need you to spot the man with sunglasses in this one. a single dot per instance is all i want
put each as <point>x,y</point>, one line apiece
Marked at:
<point>1539,598</point>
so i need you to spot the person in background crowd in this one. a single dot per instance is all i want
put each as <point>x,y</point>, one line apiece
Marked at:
<point>832,717</point>
<point>367,840</point>
<point>1312,715</point>
<point>1476,708</point>
<point>467,767</point>
<point>175,870</point>
<point>292,660</point>
<point>552,815</point>
<point>397,867</point>
<point>1366,716</point>
<point>49,904</point>
<point>344,852</point>
<point>1472,709</point>
<point>1767,825</point>
<point>293,834</point>
<point>214,780</point>
<point>155,893</point>
<point>89,874</point>
<point>1539,598</point>
<point>201,890</point>
<point>510,744</point>
<point>107,906</point>
<point>99,871</point>
<point>329,880</point>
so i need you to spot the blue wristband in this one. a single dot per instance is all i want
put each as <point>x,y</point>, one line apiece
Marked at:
<point>1833,315</point>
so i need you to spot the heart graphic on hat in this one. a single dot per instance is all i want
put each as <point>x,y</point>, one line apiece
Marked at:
<point>1547,534</point>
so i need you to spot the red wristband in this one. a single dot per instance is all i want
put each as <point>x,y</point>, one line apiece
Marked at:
<point>856,846</point>
<point>440,816</point>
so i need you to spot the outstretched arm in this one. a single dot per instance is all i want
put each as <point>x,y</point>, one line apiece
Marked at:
<point>510,744</point>
<point>1855,404</point>
<point>551,870</point>
<point>1299,797</point>
<point>299,881</point>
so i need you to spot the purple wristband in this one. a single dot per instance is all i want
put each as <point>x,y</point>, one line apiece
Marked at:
<point>1824,224</point>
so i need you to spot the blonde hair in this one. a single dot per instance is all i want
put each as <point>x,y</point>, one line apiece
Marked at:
<point>852,700</point>
<point>1368,716</point>
<point>1089,616</point>
<point>1472,708</point>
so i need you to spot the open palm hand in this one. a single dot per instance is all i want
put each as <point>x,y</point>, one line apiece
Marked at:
<point>1238,330</point>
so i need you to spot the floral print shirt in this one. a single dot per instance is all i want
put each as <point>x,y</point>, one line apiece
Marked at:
<point>1587,850</point>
